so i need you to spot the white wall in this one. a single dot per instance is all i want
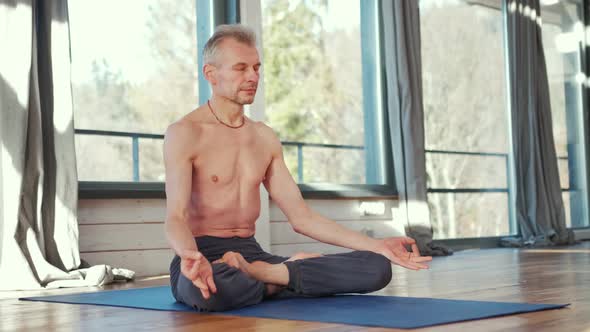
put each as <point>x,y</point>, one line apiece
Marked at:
<point>125,233</point>
<point>129,233</point>
<point>285,242</point>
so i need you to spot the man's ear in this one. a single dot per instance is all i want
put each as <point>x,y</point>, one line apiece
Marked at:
<point>209,73</point>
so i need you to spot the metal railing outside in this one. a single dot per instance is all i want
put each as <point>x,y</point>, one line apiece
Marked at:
<point>136,136</point>
<point>300,160</point>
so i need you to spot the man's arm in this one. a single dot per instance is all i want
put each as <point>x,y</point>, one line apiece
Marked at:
<point>285,192</point>
<point>178,160</point>
<point>178,164</point>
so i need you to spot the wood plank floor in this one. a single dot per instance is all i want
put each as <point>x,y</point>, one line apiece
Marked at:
<point>556,275</point>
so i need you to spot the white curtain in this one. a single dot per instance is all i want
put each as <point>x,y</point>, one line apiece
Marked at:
<point>38,180</point>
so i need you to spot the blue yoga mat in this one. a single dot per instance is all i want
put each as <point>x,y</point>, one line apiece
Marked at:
<point>364,310</point>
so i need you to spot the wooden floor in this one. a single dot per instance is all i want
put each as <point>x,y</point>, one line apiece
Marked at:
<point>558,275</point>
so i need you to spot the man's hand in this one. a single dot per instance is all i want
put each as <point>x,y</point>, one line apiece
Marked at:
<point>196,268</point>
<point>395,249</point>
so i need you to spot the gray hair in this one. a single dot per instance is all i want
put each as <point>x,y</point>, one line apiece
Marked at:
<point>239,32</point>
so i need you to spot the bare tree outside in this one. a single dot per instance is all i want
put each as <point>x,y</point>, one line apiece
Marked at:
<point>465,100</point>
<point>111,98</point>
<point>465,111</point>
<point>313,86</point>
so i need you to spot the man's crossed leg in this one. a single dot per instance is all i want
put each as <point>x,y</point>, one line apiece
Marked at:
<point>240,281</point>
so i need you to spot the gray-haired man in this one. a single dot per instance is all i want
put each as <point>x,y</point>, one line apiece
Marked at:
<point>216,158</point>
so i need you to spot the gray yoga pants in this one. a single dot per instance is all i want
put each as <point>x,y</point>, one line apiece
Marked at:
<point>353,272</point>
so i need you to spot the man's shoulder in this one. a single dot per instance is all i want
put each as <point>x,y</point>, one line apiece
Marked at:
<point>187,126</point>
<point>268,135</point>
<point>265,130</point>
<point>183,135</point>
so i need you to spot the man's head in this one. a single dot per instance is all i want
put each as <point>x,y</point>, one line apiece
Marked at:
<point>231,63</point>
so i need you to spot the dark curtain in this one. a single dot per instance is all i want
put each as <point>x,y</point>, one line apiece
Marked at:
<point>403,65</point>
<point>539,204</point>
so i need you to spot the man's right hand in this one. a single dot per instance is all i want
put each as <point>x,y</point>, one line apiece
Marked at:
<point>197,268</point>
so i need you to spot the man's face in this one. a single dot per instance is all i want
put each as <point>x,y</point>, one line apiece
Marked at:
<point>235,74</point>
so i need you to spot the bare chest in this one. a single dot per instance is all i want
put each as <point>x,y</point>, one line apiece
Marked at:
<point>226,158</point>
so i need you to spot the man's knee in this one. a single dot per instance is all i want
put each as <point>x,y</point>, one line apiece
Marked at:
<point>234,290</point>
<point>381,268</point>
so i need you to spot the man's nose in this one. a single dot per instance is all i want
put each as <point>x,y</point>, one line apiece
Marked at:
<point>252,75</point>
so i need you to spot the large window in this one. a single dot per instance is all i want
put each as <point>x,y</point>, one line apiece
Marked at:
<point>138,72</point>
<point>322,93</point>
<point>466,125</point>
<point>563,42</point>
<point>134,71</point>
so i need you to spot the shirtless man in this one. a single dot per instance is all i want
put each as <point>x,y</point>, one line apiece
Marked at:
<point>216,158</point>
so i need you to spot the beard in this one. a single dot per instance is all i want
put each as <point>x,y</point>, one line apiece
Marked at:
<point>244,97</point>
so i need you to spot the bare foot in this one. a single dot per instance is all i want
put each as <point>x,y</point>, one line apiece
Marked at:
<point>235,260</point>
<point>303,255</point>
<point>270,274</point>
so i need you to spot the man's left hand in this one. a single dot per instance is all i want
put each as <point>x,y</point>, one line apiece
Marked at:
<point>395,249</point>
